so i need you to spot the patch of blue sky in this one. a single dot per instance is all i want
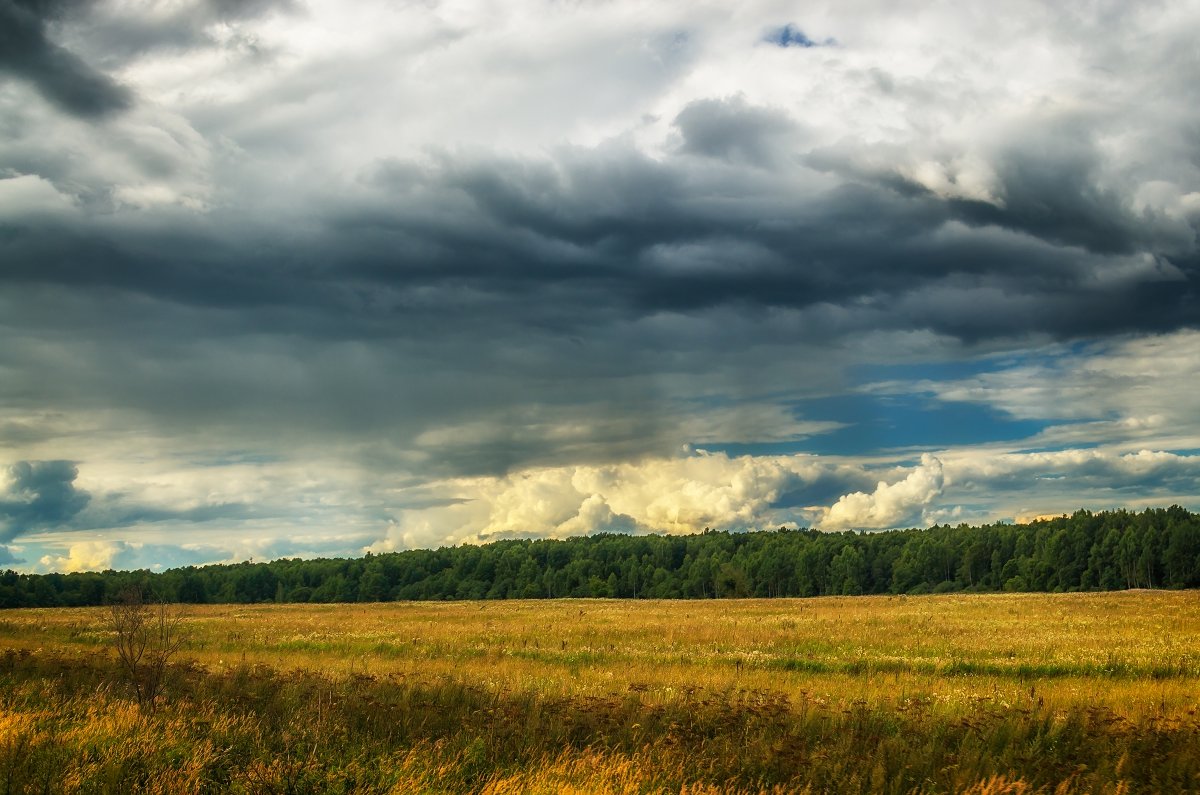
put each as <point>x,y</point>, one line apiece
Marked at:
<point>791,36</point>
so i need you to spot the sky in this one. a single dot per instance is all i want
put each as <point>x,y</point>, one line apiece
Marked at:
<point>308,278</point>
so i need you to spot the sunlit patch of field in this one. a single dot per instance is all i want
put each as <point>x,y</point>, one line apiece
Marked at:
<point>1001,693</point>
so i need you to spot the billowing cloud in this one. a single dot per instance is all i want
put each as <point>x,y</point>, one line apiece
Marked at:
<point>732,130</point>
<point>891,504</point>
<point>39,494</point>
<point>8,556</point>
<point>90,556</point>
<point>681,494</point>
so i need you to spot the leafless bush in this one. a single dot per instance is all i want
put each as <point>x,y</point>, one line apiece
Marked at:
<point>146,637</point>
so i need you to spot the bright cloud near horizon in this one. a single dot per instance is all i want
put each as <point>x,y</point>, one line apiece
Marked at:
<point>294,277</point>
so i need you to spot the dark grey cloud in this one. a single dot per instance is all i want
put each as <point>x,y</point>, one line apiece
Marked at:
<point>523,293</point>
<point>1050,188</point>
<point>116,510</point>
<point>27,52</point>
<point>40,494</point>
<point>734,130</point>
<point>65,47</point>
<point>16,433</point>
<point>870,248</point>
<point>116,36</point>
<point>593,218</point>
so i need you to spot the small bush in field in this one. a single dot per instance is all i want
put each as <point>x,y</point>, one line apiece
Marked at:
<point>146,638</point>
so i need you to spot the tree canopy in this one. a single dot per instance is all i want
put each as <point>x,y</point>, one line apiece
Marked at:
<point>1111,550</point>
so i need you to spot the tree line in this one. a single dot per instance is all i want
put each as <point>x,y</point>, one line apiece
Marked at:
<point>1111,550</point>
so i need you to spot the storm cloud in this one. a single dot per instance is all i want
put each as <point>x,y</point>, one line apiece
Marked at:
<point>39,494</point>
<point>377,265</point>
<point>27,52</point>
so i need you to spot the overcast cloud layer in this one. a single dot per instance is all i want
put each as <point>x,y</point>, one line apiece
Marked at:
<point>295,278</point>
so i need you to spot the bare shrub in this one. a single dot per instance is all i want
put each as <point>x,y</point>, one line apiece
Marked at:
<point>147,636</point>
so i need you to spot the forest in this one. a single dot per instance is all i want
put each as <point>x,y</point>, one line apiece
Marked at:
<point>1086,551</point>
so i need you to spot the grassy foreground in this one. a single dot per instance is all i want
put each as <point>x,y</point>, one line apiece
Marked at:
<point>983,693</point>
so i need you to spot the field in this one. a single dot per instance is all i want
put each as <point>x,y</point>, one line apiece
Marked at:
<point>969,693</point>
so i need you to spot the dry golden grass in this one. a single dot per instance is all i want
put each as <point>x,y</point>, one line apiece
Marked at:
<point>1126,650</point>
<point>1013,693</point>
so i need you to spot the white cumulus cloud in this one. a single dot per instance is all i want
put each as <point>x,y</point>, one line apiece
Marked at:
<point>89,556</point>
<point>891,504</point>
<point>666,495</point>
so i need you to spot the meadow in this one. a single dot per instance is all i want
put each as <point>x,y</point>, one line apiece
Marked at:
<point>1012,693</point>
